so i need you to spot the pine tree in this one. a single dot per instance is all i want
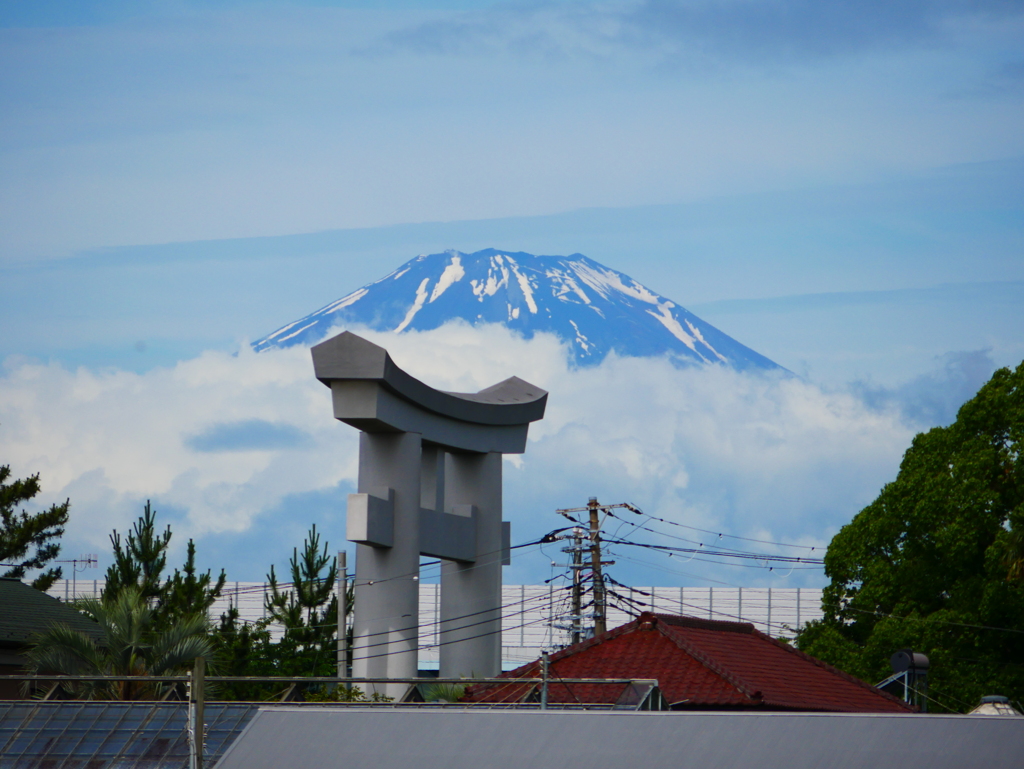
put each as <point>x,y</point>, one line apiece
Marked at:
<point>308,610</point>
<point>187,592</point>
<point>28,541</point>
<point>139,563</point>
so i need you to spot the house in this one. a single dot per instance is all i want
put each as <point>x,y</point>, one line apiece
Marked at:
<point>25,611</point>
<point>699,664</point>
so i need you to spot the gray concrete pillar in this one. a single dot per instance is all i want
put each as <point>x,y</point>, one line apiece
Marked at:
<point>432,478</point>
<point>386,616</point>
<point>471,592</point>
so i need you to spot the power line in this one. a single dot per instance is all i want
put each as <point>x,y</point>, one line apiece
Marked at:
<point>638,511</point>
<point>742,556</point>
<point>936,621</point>
<point>723,553</point>
<point>711,549</point>
<point>667,570</point>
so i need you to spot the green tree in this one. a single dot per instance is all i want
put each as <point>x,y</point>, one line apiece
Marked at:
<point>308,614</point>
<point>139,563</point>
<point>189,592</point>
<point>132,644</point>
<point>307,610</point>
<point>935,562</point>
<point>29,541</point>
<point>246,649</point>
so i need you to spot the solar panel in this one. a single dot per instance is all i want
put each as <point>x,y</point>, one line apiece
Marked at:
<point>97,735</point>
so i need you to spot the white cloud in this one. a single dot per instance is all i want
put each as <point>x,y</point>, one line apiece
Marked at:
<point>767,457</point>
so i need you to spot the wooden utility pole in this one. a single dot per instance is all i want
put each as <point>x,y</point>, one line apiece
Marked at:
<point>544,680</point>
<point>342,614</point>
<point>594,509</point>
<point>600,598</point>
<point>196,716</point>
<point>577,586</point>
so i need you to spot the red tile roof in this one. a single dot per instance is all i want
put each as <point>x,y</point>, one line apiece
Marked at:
<point>698,664</point>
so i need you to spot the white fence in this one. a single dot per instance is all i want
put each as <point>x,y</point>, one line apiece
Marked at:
<point>533,614</point>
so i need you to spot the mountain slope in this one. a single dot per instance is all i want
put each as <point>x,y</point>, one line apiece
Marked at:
<point>593,308</point>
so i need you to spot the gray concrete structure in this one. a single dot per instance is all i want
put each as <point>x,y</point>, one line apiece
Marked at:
<point>429,483</point>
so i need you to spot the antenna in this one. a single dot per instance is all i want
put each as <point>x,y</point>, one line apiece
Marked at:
<point>83,562</point>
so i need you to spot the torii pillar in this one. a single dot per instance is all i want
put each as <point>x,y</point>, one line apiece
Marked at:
<point>429,483</point>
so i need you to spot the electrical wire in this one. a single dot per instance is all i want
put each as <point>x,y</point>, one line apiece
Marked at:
<point>683,604</point>
<point>673,571</point>
<point>638,511</point>
<point>459,640</point>
<point>710,549</point>
<point>261,588</point>
<point>935,621</point>
<point>742,556</point>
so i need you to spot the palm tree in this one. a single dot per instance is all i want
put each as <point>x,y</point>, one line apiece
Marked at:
<point>129,646</point>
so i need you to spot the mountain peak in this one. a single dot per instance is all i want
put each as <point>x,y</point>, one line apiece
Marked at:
<point>593,308</point>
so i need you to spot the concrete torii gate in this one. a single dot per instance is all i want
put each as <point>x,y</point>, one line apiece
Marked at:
<point>429,483</point>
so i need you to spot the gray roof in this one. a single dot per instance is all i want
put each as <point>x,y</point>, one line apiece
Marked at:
<point>27,611</point>
<point>456,739</point>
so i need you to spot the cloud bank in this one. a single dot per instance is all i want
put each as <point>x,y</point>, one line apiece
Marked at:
<point>241,450</point>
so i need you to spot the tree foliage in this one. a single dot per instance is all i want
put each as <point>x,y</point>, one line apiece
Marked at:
<point>29,541</point>
<point>936,562</point>
<point>139,563</point>
<point>308,610</point>
<point>132,644</point>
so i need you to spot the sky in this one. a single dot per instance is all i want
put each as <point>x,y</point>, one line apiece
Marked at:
<point>837,185</point>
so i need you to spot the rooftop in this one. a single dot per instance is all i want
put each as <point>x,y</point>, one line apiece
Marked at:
<point>699,664</point>
<point>27,611</point>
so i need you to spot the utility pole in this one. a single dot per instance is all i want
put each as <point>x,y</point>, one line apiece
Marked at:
<point>544,680</point>
<point>577,586</point>
<point>196,706</point>
<point>594,510</point>
<point>342,614</point>
<point>600,600</point>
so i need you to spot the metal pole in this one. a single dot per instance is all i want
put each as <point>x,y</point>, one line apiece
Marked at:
<point>600,608</point>
<point>577,586</point>
<point>196,715</point>
<point>544,680</point>
<point>342,614</point>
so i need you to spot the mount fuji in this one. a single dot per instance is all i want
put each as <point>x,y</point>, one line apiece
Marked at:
<point>594,309</point>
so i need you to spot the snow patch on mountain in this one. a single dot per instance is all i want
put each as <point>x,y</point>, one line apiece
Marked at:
<point>452,274</point>
<point>421,297</point>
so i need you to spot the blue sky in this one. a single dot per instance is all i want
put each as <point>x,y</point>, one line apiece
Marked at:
<point>836,185</point>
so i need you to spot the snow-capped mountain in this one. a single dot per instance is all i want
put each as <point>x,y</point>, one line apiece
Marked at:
<point>593,308</point>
